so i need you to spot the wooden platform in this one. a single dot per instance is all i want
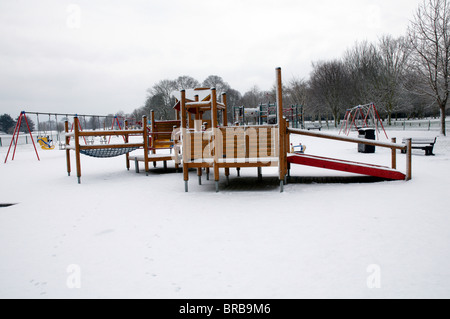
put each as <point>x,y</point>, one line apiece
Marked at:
<point>346,166</point>
<point>152,157</point>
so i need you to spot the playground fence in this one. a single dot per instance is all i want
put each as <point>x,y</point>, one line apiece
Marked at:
<point>405,125</point>
<point>5,140</point>
<point>24,138</point>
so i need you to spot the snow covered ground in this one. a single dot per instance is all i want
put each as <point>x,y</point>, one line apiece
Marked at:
<point>122,234</point>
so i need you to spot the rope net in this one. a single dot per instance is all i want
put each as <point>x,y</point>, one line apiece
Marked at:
<point>108,152</point>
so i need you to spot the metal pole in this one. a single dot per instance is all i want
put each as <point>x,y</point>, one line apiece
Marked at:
<point>12,139</point>
<point>29,131</point>
<point>18,133</point>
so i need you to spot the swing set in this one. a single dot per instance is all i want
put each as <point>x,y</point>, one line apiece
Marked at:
<point>45,131</point>
<point>362,116</point>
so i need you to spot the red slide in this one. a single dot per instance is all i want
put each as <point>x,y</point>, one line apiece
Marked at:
<point>346,166</point>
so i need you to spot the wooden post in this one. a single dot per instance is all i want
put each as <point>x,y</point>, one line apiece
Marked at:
<point>198,115</point>
<point>286,145</point>
<point>66,129</point>
<point>394,154</point>
<point>408,159</point>
<point>153,137</point>
<point>197,128</point>
<point>127,155</point>
<point>136,165</point>
<point>281,128</point>
<point>215,135</point>
<point>225,124</point>
<point>184,139</point>
<point>77,147</point>
<point>225,114</point>
<point>177,114</point>
<point>189,115</point>
<point>145,137</point>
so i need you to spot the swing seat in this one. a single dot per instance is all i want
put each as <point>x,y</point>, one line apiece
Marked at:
<point>108,152</point>
<point>48,148</point>
<point>45,143</point>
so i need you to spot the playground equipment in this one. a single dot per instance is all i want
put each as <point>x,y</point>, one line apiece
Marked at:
<point>45,140</point>
<point>46,130</point>
<point>161,133</point>
<point>298,149</point>
<point>104,150</point>
<point>267,114</point>
<point>355,167</point>
<point>116,122</point>
<point>222,146</point>
<point>362,116</point>
<point>45,143</point>
<point>202,139</point>
<point>15,137</point>
<point>157,137</point>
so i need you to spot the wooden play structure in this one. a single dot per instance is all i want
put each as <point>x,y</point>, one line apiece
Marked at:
<point>104,150</point>
<point>156,137</point>
<point>162,138</point>
<point>223,147</point>
<point>201,139</point>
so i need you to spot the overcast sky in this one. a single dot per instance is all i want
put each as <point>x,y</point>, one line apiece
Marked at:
<point>101,56</point>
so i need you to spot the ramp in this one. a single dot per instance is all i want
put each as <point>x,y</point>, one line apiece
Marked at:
<point>346,166</point>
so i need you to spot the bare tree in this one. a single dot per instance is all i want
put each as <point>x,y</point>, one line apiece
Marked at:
<point>215,81</point>
<point>298,90</point>
<point>138,113</point>
<point>329,85</point>
<point>363,64</point>
<point>394,55</point>
<point>94,123</point>
<point>159,103</point>
<point>253,97</point>
<point>429,36</point>
<point>160,99</point>
<point>233,99</point>
<point>186,82</point>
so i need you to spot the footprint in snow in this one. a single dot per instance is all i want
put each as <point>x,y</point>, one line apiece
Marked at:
<point>105,232</point>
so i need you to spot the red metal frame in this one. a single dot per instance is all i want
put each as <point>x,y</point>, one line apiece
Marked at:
<point>344,122</point>
<point>17,131</point>
<point>378,118</point>
<point>116,120</point>
<point>351,116</point>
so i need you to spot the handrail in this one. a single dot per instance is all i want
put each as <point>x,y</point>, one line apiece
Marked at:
<point>106,133</point>
<point>347,139</point>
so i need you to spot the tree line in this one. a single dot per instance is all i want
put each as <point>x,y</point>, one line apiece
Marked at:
<point>406,76</point>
